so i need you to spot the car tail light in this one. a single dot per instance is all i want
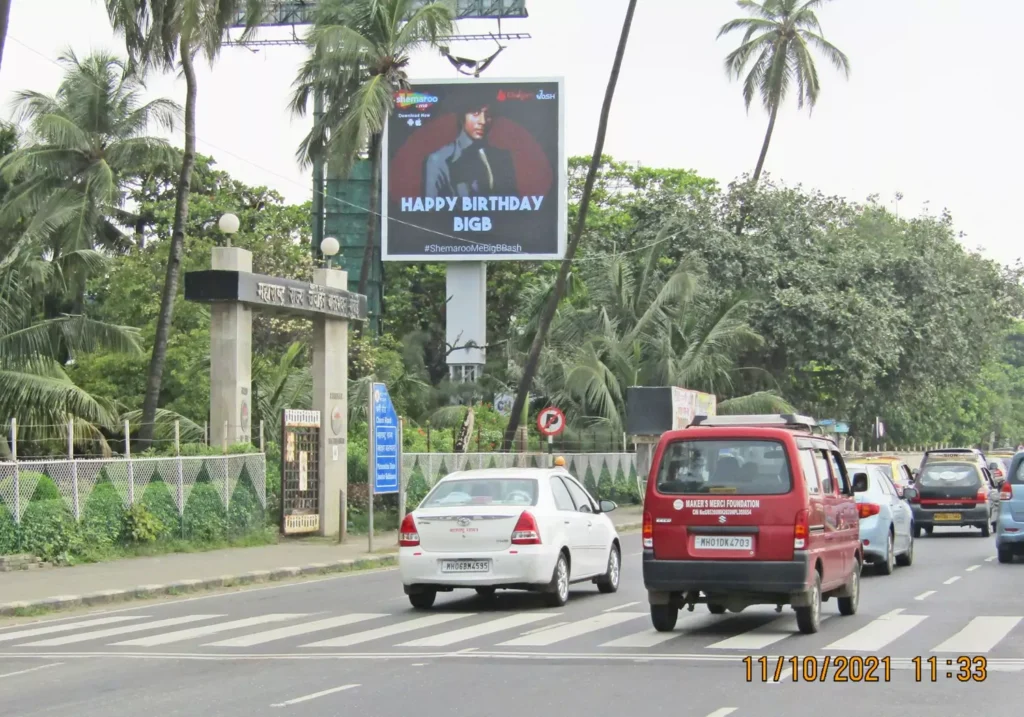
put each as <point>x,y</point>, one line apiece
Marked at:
<point>866,510</point>
<point>801,529</point>
<point>526,531</point>
<point>648,531</point>
<point>408,535</point>
<point>1006,491</point>
<point>916,498</point>
<point>982,496</point>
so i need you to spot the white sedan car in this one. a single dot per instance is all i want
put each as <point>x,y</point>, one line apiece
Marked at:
<point>510,528</point>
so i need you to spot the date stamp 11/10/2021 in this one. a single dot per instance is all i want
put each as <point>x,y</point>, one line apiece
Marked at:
<point>858,668</point>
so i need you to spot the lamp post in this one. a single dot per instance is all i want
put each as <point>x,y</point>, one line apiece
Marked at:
<point>329,247</point>
<point>229,224</point>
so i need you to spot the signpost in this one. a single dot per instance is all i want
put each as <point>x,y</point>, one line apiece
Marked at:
<point>385,454</point>
<point>551,421</point>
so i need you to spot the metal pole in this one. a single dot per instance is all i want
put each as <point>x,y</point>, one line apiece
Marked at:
<point>401,476</point>
<point>177,438</point>
<point>74,469</point>
<point>262,447</point>
<point>371,465</point>
<point>341,516</point>
<point>206,432</point>
<point>128,457</point>
<point>17,471</point>
<point>224,449</point>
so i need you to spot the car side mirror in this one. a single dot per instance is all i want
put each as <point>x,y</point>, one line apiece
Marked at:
<point>909,493</point>
<point>607,506</point>
<point>860,482</point>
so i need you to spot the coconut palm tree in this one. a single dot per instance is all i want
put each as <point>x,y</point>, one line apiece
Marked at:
<point>359,53</point>
<point>166,34</point>
<point>547,315</point>
<point>777,41</point>
<point>83,145</point>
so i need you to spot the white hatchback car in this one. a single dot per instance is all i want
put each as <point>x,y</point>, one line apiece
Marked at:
<point>511,528</point>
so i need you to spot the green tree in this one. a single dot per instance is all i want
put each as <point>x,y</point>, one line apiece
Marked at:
<point>359,53</point>
<point>561,281</point>
<point>776,46</point>
<point>165,34</point>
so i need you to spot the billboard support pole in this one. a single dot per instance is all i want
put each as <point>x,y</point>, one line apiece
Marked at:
<point>466,320</point>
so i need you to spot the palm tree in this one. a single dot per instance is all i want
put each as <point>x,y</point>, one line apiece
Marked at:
<point>165,34</point>
<point>359,52</point>
<point>561,282</point>
<point>778,37</point>
<point>84,145</point>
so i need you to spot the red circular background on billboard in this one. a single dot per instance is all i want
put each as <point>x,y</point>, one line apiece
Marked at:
<point>533,168</point>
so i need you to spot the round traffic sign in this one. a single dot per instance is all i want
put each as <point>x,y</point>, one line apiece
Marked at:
<point>551,421</point>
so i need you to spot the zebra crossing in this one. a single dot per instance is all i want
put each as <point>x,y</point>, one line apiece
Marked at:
<point>611,631</point>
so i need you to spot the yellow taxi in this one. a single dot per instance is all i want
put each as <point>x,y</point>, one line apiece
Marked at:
<point>892,465</point>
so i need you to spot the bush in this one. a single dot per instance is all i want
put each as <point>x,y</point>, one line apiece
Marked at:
<point>102,516</point>
<point>139,525</point>
<point>245,514</point>
<point>46,489</point>
<point>8,532</point>
<point>205,519</point>
<point>49,531</point>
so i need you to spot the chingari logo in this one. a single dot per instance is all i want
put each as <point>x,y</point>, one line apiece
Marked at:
<point>406,99</point>
<point>513,95</point>
<point>542,95</point>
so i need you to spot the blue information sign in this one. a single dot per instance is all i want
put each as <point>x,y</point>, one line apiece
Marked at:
<point>384,441</point>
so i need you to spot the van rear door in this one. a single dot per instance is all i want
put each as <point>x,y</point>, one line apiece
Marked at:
<point>724,493</point>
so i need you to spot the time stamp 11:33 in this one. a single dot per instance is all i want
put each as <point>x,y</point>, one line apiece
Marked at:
<point>855,668</point>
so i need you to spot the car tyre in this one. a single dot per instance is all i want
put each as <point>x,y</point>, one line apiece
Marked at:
<point>664,617</point>
<point>1005,555</point>
<point>986,530</point>
<point>558,589</point>
<point>716,608</point>
<point>609,582</point>
<point>907,559</point>
<point>918,531</point>
<point>848,605</point>
<point>808,619</point>
<point>888,565</point>
<point>423,600</point>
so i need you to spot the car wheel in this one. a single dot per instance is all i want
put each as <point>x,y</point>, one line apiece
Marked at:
<point>716,608</point>
<point>886,566</point>
<point>609,582</point>
<point>486,591</point>
<point>664,617</point>
<point>1005,555</point>
<point>907,559</point>
<point>986,530</point>
<point>848,605</point>
<point>918,531</point>
<point>423,600</point>
<point>558,589</point>
<point>808,619</point>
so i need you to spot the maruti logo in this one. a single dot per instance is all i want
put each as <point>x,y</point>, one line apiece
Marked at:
<point>542,95</point>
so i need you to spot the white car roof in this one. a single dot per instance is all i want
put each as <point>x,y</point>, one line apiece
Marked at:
<point>534,473</point>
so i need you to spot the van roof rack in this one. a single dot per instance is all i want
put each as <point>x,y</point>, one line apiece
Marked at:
<point>786,420</point>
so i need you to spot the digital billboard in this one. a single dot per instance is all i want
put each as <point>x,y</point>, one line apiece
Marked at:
<point>475,170</point>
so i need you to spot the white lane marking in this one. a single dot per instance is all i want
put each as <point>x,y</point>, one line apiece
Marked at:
<point>303,628</point>
<point>388,630</point>
<point>542,629</point>
<point>574,629</point>
<point>989,560</point>
<point>123,630</point>
<point>785,675</point>
<point>973,568</point>
<point>490,627</point>
<point>30,669</point>
<point>952,580</point>
<point>307,698</point>
<point>878,633</point>
<point>192,632</point>
<point>622,606</point>
<point>723,711</point>
<point>65,626</point>
<point>762,636</point>
<point>925,594</point>
<point>979,635</point>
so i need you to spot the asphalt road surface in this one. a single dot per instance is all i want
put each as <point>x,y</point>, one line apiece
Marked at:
<point>352,645</point>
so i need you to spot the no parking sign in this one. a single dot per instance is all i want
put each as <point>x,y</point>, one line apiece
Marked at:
<point>551,421</point>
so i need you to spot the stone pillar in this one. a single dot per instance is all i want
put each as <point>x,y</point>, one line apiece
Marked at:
<point>330,397</point>
<point>230,357</point>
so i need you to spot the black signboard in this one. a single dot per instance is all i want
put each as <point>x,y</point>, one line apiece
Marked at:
<point>274,294</point>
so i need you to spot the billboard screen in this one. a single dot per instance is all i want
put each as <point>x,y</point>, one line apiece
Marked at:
<point>475,170</point>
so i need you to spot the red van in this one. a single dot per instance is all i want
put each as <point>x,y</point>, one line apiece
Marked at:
<point>750,510</point>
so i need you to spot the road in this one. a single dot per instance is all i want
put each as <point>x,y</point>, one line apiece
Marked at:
<point>352,645</point>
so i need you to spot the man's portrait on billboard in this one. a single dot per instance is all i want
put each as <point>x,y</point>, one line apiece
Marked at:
<point>470,166</point>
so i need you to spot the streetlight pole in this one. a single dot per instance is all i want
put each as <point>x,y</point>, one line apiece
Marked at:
<point>229,224</point>
<point>329,247</point>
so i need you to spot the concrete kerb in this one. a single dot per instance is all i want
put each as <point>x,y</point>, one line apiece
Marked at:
<point>142,592</point>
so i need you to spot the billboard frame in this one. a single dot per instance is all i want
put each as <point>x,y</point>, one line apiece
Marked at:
<point>562,183</point>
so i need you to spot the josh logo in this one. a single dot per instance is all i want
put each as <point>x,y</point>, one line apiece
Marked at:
<point>405,99</point>
<point>542,95</point>
<point>337,419</point>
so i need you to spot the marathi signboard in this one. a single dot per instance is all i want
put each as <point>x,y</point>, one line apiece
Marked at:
<point>475,170</point>
<point>300,472</point>
<point>383,441</point>
<point>274,293</point>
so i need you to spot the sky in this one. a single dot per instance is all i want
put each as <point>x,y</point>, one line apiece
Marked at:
<point>925,113</point>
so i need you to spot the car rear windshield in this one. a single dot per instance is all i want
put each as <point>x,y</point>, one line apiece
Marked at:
<point>1018,475</point>
<point>482,491</point>
<point>726,466</point>
<point>951,475</point>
